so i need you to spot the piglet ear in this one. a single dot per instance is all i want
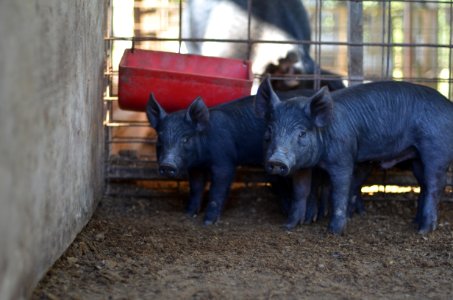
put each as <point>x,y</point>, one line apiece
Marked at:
<point>266,99</point>
<point>198,114</point>
<point>154,111</point>
<point>320,107</point>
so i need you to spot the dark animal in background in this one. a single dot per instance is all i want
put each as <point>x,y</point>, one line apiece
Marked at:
<point>208,144</point>
<point>288,67</point>
<point>378,121</point>
<point>270,20</point>
<point>228,19</point>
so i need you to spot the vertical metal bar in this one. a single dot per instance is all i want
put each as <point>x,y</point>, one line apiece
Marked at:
<point>317,70</point>
<point>384,5</point>
<point>180,27</point>
<point>355,35</point>
<point>249,28</point>
<point>407,51</point>
<point>450,59</point>
<point>434,59</point>
<point>314,31</point>
<point>137,17</point>
<point>389,39</point>
<point>315,37</point>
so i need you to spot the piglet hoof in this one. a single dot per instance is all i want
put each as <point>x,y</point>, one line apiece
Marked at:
<point>311,217</point>
<point>289,226</point>
<point>210,220</point>
<point>296,217</point>
<point>427,227</point>
<point>360,206</point>
<point>212,214</point>
<point>356,206</point>
<point>192,216</point>
<point>192,213</point>
<point>337,225</point>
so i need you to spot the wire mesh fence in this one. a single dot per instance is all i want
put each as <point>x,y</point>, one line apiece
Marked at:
<point>359,41</point>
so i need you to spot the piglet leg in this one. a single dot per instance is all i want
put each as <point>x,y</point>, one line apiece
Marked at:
<point>341,178</point>
<point>301,189</point>
<point>221,179</point>
<point>197,183</point>
<point>435,178</point>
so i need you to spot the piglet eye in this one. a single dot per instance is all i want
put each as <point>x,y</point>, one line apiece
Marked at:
<point>185,140</point>
<point>302,133</point>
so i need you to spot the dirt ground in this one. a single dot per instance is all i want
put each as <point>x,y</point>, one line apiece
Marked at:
<point>145,248</point>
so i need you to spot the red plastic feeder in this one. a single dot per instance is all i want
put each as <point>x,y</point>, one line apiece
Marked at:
<point>177,79</point>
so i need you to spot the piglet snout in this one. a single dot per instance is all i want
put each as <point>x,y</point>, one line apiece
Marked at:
<point>167,169</point>
<point>277,167</point>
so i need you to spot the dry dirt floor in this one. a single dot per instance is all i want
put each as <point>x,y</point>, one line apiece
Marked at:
<point>144,247</point>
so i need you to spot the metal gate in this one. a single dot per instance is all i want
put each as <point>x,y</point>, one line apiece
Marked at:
<point>359,40</point>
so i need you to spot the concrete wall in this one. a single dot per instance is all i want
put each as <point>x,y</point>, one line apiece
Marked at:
<point>51,136</point>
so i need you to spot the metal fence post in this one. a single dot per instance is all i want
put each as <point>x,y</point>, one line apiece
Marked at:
<point>355,36</point>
